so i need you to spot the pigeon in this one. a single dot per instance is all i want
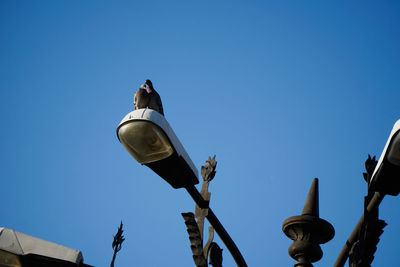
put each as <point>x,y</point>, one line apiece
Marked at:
<point>147,97</point>
<point>141,99</point>
<point>154,98</point>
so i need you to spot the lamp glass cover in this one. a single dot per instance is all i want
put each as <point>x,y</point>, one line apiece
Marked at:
<point>145,141</point>
<point>9,259</point>
<point>394,150</point>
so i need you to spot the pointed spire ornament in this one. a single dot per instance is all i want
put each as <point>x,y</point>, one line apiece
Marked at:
<point>308,231</point>
<point>311,207</point>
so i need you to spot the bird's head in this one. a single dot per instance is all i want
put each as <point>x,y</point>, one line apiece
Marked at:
<point>149,83</point>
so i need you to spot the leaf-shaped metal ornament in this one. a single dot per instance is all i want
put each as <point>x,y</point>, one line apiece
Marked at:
<point>208,170</point>
<point>117,243</point>
<point>196,242</point>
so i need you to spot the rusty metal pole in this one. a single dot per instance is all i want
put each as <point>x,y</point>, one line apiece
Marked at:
<point>218,227</point>
<point>344,254</point>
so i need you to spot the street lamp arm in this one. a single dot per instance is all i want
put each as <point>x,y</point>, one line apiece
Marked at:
<point>197,197</point>
<point>218,227</point>
<point>344,254</point>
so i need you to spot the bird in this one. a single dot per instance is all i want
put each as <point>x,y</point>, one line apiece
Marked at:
<point>147,97</point>
<point>141,98</point>
<point>154,98</point>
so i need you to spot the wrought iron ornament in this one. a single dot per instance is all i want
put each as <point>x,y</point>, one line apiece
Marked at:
<point>308,231</point>
<point>362,251</point>
<point>195,228</point>
<point>370,165</point>
<point>117,243</point>
<point>196,242</point>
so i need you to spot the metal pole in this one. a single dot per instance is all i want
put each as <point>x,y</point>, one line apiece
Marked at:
<point>344,254</point>
<point>218,227</point>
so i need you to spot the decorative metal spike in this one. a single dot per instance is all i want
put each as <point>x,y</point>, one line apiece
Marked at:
<point>208,173</point>
<point>208,170</point>
<point>370,165</point>
<point>308,231</point>
<point>117,243</point>
<point>311,207</point>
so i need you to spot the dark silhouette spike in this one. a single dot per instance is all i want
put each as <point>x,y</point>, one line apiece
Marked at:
<point>117,243</point>
<point>370,165</point>
<point>311,207</point>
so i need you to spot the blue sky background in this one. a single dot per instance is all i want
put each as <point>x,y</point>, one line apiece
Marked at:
<point>280,91</point>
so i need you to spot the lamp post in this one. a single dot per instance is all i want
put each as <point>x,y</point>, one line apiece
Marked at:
<point>385,179</point>
<point>148,137</point>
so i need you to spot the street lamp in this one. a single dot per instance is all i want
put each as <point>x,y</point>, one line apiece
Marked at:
<point>147,136</point>
<point>386,177</point>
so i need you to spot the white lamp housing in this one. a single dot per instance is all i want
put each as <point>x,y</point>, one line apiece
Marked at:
<point>147,136</point>
<point>386,176</point>
<point>18,249</point>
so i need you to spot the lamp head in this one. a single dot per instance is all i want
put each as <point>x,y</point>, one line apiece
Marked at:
<point>386,176</point>
<point>147,136</point>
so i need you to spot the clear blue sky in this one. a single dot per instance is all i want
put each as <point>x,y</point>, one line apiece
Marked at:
<point>280,91</point>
